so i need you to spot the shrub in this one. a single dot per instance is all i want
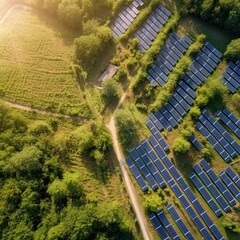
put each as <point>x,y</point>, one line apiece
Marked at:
<point>153,203</point>
<point>233,51</point>
<point>181,145</point>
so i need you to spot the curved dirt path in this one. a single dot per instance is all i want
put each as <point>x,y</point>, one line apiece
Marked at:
<point>43,112</point>
<point>140,216</point>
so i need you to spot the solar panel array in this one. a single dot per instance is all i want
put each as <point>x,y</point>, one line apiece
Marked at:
<point>235,178</point>
<point>125,18</point>
<point>170,115</point>
<point>217,135</point>
<point>154,153</point>
<point>167,59</point>
<point>231,77</point>
<point>230,121</point>
<point>151,27</point>
<point>195,142</point>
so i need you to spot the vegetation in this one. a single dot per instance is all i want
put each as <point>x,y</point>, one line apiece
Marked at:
<point>181,145</point>
<point>221,12</point>
<point>153,203</point>
<point>110,89</point>
<point>39,197</point>
<point>233,51</point>
<point>35,69</point>
<point>231,222</point>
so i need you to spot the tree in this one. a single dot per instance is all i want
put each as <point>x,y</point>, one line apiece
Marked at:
<point>70,13</point>
<point>125,124</point>
<point>233,50</point>
<point>195,112</point>
<point>153,203</point>
<point>181,145</point>
<point>110,89</point>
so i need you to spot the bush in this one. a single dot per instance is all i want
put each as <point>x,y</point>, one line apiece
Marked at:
<point>153,203</point>
<point>181,145</point>
<point>110,89</point>
<point>233,51</point>
<point>194,113</point>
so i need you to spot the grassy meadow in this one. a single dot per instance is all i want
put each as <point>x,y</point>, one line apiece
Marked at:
<point>35,63</point>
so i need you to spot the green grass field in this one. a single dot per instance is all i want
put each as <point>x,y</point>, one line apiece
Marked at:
<point>35,63</point>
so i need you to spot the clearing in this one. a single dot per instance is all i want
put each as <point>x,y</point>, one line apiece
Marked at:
<point>35,63</point>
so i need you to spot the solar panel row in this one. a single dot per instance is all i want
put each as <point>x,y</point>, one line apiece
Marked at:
<point>205,194</point>
<point>144,169</point>
<point>167,59</point>
<point>188,192</point>
<point>179,103</point>
<point>159,228</point>
<point>125,18</point>
<point>163,219</point>
<point>136,174</point>
<point>218,183</point>
<point>212,189</point>
<point>232,117</point>
<point>231,186</point>
<point>227,121</point>
<point>221,140</point>
<point>151,27</point>
<point>195,142</point>
<point>233,176</point>
<point>231,77</point>
<point>180,222</point>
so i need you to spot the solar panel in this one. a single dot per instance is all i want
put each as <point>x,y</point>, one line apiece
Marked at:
<point>173,48</point>
<point>187,89</point>
<point>160,73</point>
<point>195,142</point>
<point>180,222</point>
<point>234,75</point>
<point>206,65</point>
<point>177,44</point>
<point>163,120</point>
<point>156,121</point>
<point>211,55</point>
<point>194,78</point>
<point>168,13</point>
<point>189,82</point>
<point>211,188</point>
<point>159,228</point>
<point>162,67</point>
<point>231,116</point>
<point>121,23</point>
<point>136,174</point>
<point>184,95</point>
<point>213,49</point>
<point>153,25</point>
<point>173,112</point>
<point>176,105</point>
<point>231,80</point>
<point>234,67</point>
<point>150,29</point>
<point>162,217</point>
<point>168,116</point>
<point>187,39</point>
<point>217,182</point>
<point>132,13</point>
<point>180,100</point>
<point>228,182</point>
<point>205,194</point>
<point>201,69</point>
<point>158,17</point>
<point>233,176</point>
<point>202,229</point>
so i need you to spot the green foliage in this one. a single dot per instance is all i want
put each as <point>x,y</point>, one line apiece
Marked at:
<point>206,153</point>
<point>153,203</point>
<point>195,112</point>
<point>39,127</point>
<point>181,145</point>
<point>221,12</point>
<point>236,101</point>
<point>125,124</point>
<point>231,222</point>
<point>110,90</point>
<point>233,51</point>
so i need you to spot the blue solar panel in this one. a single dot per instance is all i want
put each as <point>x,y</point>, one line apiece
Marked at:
<point>233,176</point>
<point>168,116</point>
<point>199,75</point>
<point>156,146</point>
<point>163,120</point>
<point>132,13</point>
<point>162,67</point>
<point>211,188</point>
<point>184,95</point>
<point>229,123</point>
<point>187,89</point>
<point>232,117</point>
<point>208,60</point>
<point>234,75</point>
<point>166,12</point>
<point>173,48</point>
<point>195,142</point>
<point>126,20</point>
<point>158,17</point>
<point>228,78</point>
<point>234,67</point>
<point>187,39</point>
<point>217,182</point>
<point>173,112</point>
<point>202,229</point>
<point>156,77</point>
<point>156,121</point>
<point>122,23</point>
<point>206,65</point>
<point>156,22</point>
<point>205,194</point>
<point>178,45</point>
<point>165,62</point>
<point>230,185</point>
<point>194,78</point>
<point>159,228</point>
<point>189,82</point>
<point>150,29</point>
<point>152,25</point>
<point>181,101</point>
<point>160,73</point>
<point>211,55</point>
<point>175,104</point>
<point>162,217</point>
<point>201,69</point>
<point>214,50</point>
<point>144,169</point>
<point>136,174</point>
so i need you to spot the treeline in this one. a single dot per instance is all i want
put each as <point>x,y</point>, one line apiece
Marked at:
<point>225,13</point>
<point>41,200</point>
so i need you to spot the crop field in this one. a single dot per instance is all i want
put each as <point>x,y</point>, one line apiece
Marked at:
<point>35,63</point>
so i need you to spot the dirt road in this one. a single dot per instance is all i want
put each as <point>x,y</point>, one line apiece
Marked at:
<point>139,214</point>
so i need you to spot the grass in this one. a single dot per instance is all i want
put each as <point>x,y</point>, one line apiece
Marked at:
<point>194,26</point>
<point>35,63</point>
